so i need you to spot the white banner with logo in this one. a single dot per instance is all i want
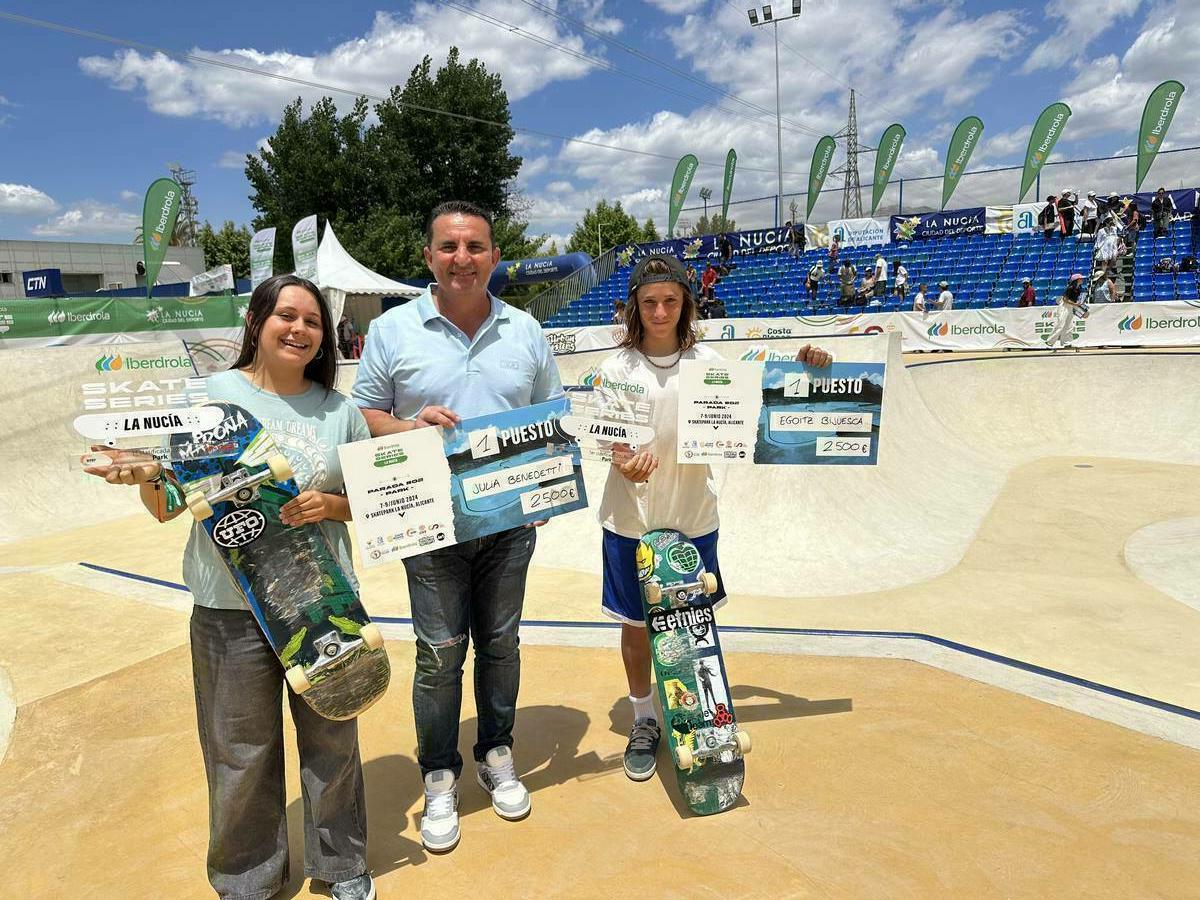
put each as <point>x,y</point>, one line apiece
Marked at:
<point>1025,217</point>
<point>859,232</point>
<point>304,248</point>
<point>218,279</point>
<point>1162,324</point>
<point>262,255</point>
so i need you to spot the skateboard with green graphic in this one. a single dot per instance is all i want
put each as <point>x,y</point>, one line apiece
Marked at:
<point>706,746</point>
<point>332,653</point>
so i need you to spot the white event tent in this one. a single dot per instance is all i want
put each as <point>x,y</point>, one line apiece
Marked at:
<point>351,287</point>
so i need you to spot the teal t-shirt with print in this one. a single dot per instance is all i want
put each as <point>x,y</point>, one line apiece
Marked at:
<point>307,428</point>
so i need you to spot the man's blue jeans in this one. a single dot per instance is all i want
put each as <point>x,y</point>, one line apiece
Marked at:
<point>475,588</point>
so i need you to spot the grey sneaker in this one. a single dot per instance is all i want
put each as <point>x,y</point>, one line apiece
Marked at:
<point>439,824</point>
<point>642,749</point>
<point>360,888</point>
<point>497,776</point>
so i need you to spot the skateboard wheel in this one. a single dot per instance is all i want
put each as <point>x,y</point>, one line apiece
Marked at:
<point>297,679</point>
<point>653,593</point>
<point>742,739</point>
<point>683,757</point>
<point>708,581</point>
<point>372,636</point>
<point>200,508</point>
<point>281,469</point>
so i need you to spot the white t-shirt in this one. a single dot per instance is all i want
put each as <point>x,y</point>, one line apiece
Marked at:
<point>919,302</point>
<point>677,496</point>
<point>901,276</point>
<point>881,270</point>
<point>945,300</point>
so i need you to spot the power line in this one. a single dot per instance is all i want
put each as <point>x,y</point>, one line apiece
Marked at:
<point>633,51</point>
<point>596,61</point>
<point>320,86</point>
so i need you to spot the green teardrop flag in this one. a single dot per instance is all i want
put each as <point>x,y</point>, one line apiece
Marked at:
<point>730,165</point>
<point>885,161</point>
<point>685,169</point>
<point>962,145</point>
<point>1046,131</point>
<point>159,213</point>
<point>821,160</point>
<point>1156,119</point>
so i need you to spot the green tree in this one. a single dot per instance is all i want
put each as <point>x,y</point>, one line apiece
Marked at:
<point>229,245</point>
<point>377,183</point>
<point>608,226</point>
<point>717,224</point>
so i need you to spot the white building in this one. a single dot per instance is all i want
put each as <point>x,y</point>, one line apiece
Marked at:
<point>87,268</point>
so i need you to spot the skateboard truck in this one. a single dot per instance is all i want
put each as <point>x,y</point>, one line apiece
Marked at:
<point>241,486</point>
<point>330,648</point>
<point>681,593</point>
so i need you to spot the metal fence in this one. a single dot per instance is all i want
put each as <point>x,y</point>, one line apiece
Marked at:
<point>545,304</point>
<point>1176,168</point>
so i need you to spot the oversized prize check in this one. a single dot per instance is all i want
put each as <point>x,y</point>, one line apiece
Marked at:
<point>427,488</point>
<point>779,412</point>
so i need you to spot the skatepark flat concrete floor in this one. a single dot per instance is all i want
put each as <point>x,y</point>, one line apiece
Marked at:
<point>1004,706</point>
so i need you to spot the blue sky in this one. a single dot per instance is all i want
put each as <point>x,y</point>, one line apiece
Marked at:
<point>85,125</point>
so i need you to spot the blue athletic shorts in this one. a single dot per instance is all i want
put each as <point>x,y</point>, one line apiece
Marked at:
<point>622,598</point>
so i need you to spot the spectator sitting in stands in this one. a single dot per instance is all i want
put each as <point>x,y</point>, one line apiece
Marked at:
<point>716,309</point>
<point>619,314</point>
<point>1102,288</point>
<point>1066,213</point>
<point>835,249</point>
<point>1161,208</point>
<point>901,274</point>
<point>1166,266</point>
<point>846,274</point>
<point>880,275</point>
<point>945,300</point>
<point>1089,209</point>
<point>813,283</point>
<point>1028,297</point>
<point>708,281</point>
<point>1048,217</point>
<point>867,289</point>
<point>919,299</point>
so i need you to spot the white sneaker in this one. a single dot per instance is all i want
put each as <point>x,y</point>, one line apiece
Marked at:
<point>496,775</point>
<point>439,824</point>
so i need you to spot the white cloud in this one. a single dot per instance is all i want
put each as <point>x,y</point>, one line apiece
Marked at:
<point>232,159</point>
<point>373,63</point>
<point>25,200</point>
<point>674,7</point>
<point>1079,25</point>
<point>91,219</point>
<point>130,196</point>
<point>559,187</point>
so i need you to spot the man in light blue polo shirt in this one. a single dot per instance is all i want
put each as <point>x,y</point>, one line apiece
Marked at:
<point>458,352</point>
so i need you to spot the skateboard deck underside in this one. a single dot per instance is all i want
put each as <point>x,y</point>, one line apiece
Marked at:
<point>289,576</point>
<point>689,671</point>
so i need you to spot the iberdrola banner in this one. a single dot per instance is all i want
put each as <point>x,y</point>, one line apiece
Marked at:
<point>885,161</point>
<point>304,248</point>
<point>962,145</point>
<point>1046,131</point>
<point>262,256</point>
<point>818,169</point>
<point>159,213</point>
<point>1156,119</point>
<point>730,165</point>
<point>685,170</point>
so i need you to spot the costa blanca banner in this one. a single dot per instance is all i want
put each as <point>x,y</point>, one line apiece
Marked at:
<point>1162,324</point>
<point>948,223</point>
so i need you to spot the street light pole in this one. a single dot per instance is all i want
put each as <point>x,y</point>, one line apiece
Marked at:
<point>769,17</point>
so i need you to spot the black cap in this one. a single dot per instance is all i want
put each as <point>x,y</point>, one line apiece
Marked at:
<point>675,273</point>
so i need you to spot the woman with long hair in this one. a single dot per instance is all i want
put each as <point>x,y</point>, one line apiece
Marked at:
<point>284,376</point>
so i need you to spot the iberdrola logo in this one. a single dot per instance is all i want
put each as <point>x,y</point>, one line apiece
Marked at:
<point>156,238</point>
<point>108,363</point>
<point>590,378</point>
<point>938,329</point>
<point>755,356</point>
<point>1151,141</point>
<point>1130,323</point>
